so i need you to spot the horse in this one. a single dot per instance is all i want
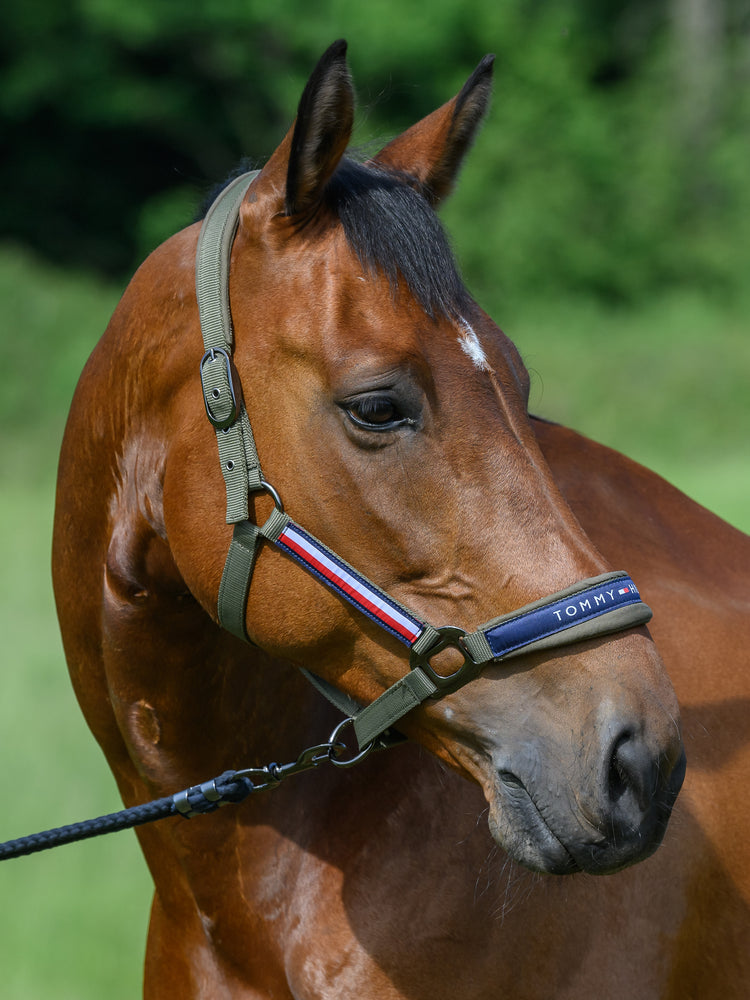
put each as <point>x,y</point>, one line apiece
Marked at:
<point>390,417</point>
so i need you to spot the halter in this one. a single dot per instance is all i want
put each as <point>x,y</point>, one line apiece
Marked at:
<point>591,608</point>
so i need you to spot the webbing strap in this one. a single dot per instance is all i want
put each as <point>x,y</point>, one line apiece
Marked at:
<point>345,704</point>
<point>238,569</point>
<point>590,608</point>
<point>212,263</point>
<point>341,577</point>
<point>222,395</point>
<point>392,705</point>
<point>235,581</point>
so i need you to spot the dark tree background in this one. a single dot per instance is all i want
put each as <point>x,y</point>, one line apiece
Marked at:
<point>615,162</point>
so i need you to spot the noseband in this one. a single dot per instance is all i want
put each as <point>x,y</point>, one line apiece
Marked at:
<point>591,608</point>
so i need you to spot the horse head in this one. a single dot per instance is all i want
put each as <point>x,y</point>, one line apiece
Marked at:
<point>390,415</point>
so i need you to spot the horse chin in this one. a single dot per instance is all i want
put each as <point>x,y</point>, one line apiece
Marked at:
<point>518,827</point>
<point>546,840</point>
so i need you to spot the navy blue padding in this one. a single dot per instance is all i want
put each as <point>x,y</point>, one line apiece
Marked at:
<point>552,619</point>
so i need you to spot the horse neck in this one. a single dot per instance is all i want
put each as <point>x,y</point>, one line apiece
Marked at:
<point>197,702</point>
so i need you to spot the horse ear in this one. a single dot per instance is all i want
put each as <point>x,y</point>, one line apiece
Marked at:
<point>433,150</point>
<point>294,177</point>
<point>321,132</point>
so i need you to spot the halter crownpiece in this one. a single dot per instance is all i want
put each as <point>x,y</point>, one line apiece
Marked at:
<point>589,609</point>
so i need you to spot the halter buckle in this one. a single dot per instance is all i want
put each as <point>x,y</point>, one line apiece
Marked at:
<point>449,637</point>
<point>213,391</point>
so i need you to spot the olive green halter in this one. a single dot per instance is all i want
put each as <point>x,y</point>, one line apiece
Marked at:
<point>593,607</point>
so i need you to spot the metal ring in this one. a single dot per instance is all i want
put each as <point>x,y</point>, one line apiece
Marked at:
<point>334,739</point>
<point>267,488</point>
<point>449,638</point>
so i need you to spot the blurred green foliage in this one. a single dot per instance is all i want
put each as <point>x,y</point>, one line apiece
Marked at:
<point>614,165</point>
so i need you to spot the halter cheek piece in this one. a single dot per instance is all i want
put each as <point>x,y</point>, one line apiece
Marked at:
<point>594,607</point>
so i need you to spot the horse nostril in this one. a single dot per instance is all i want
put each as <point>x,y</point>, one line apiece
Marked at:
<point>632,770</point>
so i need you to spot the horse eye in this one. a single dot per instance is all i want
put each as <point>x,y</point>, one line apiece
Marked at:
<point>375,413</point>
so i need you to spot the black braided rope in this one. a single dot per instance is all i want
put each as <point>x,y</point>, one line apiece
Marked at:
<point>199,799</point>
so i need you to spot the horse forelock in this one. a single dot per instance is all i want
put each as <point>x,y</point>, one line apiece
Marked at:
<point>393,230</point>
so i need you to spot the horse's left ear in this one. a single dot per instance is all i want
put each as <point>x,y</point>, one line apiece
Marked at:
<point>433,150</point>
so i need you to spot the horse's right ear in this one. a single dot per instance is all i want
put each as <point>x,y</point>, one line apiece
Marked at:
<point>298,171</point>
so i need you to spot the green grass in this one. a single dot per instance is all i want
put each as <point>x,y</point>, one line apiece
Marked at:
<point>72,923</point>
<point>667,385</point>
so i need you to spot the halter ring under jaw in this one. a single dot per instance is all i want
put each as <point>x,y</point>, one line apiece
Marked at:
<point>449,637</point>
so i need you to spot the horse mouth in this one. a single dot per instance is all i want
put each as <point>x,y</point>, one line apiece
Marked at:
<point>566,844</point>
<point>518,824</point>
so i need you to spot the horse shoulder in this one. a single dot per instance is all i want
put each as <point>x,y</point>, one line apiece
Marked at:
<point>694,571</point>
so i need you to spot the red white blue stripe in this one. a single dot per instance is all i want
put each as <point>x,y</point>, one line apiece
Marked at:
<point>340,577</point>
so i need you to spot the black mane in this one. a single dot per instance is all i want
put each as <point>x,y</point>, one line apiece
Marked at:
<point>392,229</point>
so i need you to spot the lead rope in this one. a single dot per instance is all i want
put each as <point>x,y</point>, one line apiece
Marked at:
<point>229,788</point>
<point>198,799</point>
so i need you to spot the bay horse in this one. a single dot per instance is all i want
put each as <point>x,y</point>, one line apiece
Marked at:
<point>389,414</point>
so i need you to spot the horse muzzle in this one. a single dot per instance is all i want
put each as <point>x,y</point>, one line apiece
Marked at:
<point>597,819</point>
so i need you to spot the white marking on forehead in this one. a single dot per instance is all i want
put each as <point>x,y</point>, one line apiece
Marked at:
<point>470,345</point>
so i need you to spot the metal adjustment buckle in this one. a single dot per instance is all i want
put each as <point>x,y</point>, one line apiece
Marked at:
<point>450,637</point>
<point>220,423</point>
